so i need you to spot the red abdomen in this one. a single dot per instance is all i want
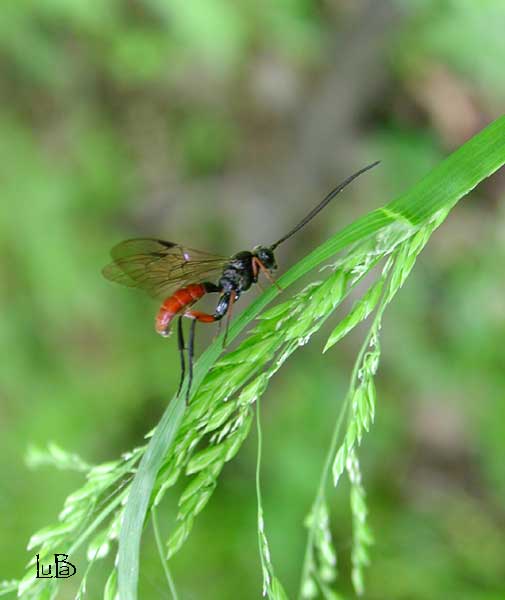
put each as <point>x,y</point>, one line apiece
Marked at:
<point>175,304</point>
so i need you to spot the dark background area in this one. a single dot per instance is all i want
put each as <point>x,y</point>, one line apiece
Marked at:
<point>218,125</point>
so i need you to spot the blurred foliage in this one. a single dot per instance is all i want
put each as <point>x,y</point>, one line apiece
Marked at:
<point>452,32</point>
<point>128,117</point>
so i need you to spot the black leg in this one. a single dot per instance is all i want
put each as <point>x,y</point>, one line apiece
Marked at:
<point>228,317</point>
<point>180,345</point>
<point>191,353</point>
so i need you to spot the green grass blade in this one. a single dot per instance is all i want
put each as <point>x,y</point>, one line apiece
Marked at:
<point>164,562</point>
<point>440,189</point>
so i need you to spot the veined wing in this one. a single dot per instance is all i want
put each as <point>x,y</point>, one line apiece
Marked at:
<point>160,267</point>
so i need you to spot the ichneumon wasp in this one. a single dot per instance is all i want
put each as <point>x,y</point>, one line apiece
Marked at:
<point>182,276</point>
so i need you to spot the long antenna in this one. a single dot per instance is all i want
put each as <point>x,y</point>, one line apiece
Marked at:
<point>324,202</point>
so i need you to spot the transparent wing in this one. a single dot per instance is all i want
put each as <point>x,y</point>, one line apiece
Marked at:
<point>160,267</point>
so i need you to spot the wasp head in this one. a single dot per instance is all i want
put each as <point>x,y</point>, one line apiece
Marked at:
<point>266,256</point>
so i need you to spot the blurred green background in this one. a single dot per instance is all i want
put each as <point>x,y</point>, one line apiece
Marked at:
<point>218,124</point>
